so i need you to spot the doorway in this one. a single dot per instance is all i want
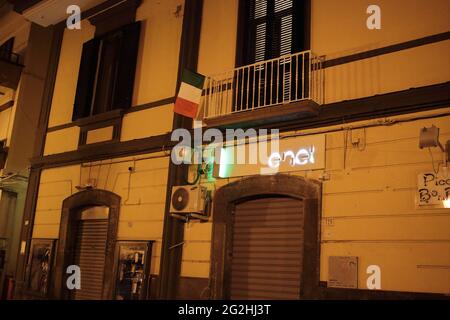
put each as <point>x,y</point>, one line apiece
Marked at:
<point>87,238</point>
<point>90,249</point>
<point>267,253</point>
<point>8,202</point>
<point>266,239</point>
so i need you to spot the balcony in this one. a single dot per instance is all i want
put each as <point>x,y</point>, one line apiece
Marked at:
<point>10,70</point>
<point>286,88</point>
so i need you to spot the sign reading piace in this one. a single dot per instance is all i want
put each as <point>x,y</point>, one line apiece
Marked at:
<point>432,188</point>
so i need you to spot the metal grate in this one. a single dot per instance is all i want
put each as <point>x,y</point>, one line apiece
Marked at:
<point>267,249</point>
<point>90,257</point>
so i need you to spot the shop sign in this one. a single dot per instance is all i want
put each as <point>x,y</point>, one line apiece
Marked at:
<point>287,155</point>
<point>432,188</point>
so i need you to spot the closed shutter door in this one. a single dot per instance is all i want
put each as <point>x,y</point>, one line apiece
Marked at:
<point>267,251</point>
<point>90,257</point>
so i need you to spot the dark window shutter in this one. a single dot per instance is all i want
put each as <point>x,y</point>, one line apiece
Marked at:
<point>127,66</point>
<point>86,79</point>
<point>106,79</point>
<point>6,49</point>
<point>300,30</point>
<point>269,29</point>
<point>3,156</point>
<point>280,26</point>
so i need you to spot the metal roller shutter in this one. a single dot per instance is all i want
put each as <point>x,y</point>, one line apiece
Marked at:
<point>90,257</point>
<point>267,249</point>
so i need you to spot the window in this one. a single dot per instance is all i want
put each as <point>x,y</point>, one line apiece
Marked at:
<point>6,51</point>
<point>106,74</point>
<point>272,28</point>
<point>3,154</point>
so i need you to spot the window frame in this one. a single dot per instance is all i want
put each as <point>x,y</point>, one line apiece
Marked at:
<point>301,14</point>
<point>95,107</point>
<point>3,154</point>
<point>117,94</point>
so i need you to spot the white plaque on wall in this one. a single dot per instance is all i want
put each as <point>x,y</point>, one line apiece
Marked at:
<point>432,188</point>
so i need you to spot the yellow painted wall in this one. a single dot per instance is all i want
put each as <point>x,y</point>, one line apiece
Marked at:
<point>387,73</point>
<point>55,185</point>
<point>5,123</point>
<point>67,74</point>
<point>196,250</point>
<point>218,36</point>
<point>64,140</point>
<point>7,95</point>
<point>157,68</point>
<point>159,49</point>
<point>364,200</point>
<point>402,70</point>
<point>156,73</point>
<point>146,123</point>
<point>99,135</point>
<point>7,116</point>
<point>142,206</point>
<point>157,62</point>
<point>339,27</point>
<point>369,209</point>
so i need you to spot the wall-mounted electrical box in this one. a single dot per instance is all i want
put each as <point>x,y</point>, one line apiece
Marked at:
<point>343,272</point>
<point>429,137</point>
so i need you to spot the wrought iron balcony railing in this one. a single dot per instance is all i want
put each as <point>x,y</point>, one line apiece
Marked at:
<point>272,83</point>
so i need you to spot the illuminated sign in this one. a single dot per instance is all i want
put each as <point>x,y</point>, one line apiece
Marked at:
<point>289,154</point>
<point>301,158</point>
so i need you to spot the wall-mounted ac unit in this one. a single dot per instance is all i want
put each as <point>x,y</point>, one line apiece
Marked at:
<point>189,201</point>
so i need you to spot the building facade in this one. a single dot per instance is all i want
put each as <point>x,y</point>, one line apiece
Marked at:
<point>16,144</point>
<point>336,212</point>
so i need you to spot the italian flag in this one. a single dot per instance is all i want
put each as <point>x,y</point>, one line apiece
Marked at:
<point>190,93</point>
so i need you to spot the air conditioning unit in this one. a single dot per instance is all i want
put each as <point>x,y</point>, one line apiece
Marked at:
<point>188,200</point>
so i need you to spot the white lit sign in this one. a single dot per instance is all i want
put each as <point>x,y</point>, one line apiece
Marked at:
<point>301,158</point>
<point>292,154</point>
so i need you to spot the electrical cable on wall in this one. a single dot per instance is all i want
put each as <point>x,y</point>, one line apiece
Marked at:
<point>130,172</point>
<point>98,174</point>
<point>432,162</point>
<point>345,146</point>
<point>128,187</point>
<point>79,181</point>
<point>107,173</point>
<point>360,144</point>
<point>89,175</point>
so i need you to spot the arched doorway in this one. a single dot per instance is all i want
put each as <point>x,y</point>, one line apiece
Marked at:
<point>266,229</point>
<point>87,238</point>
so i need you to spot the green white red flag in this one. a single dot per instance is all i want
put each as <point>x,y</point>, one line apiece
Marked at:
<point>190,94</point>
